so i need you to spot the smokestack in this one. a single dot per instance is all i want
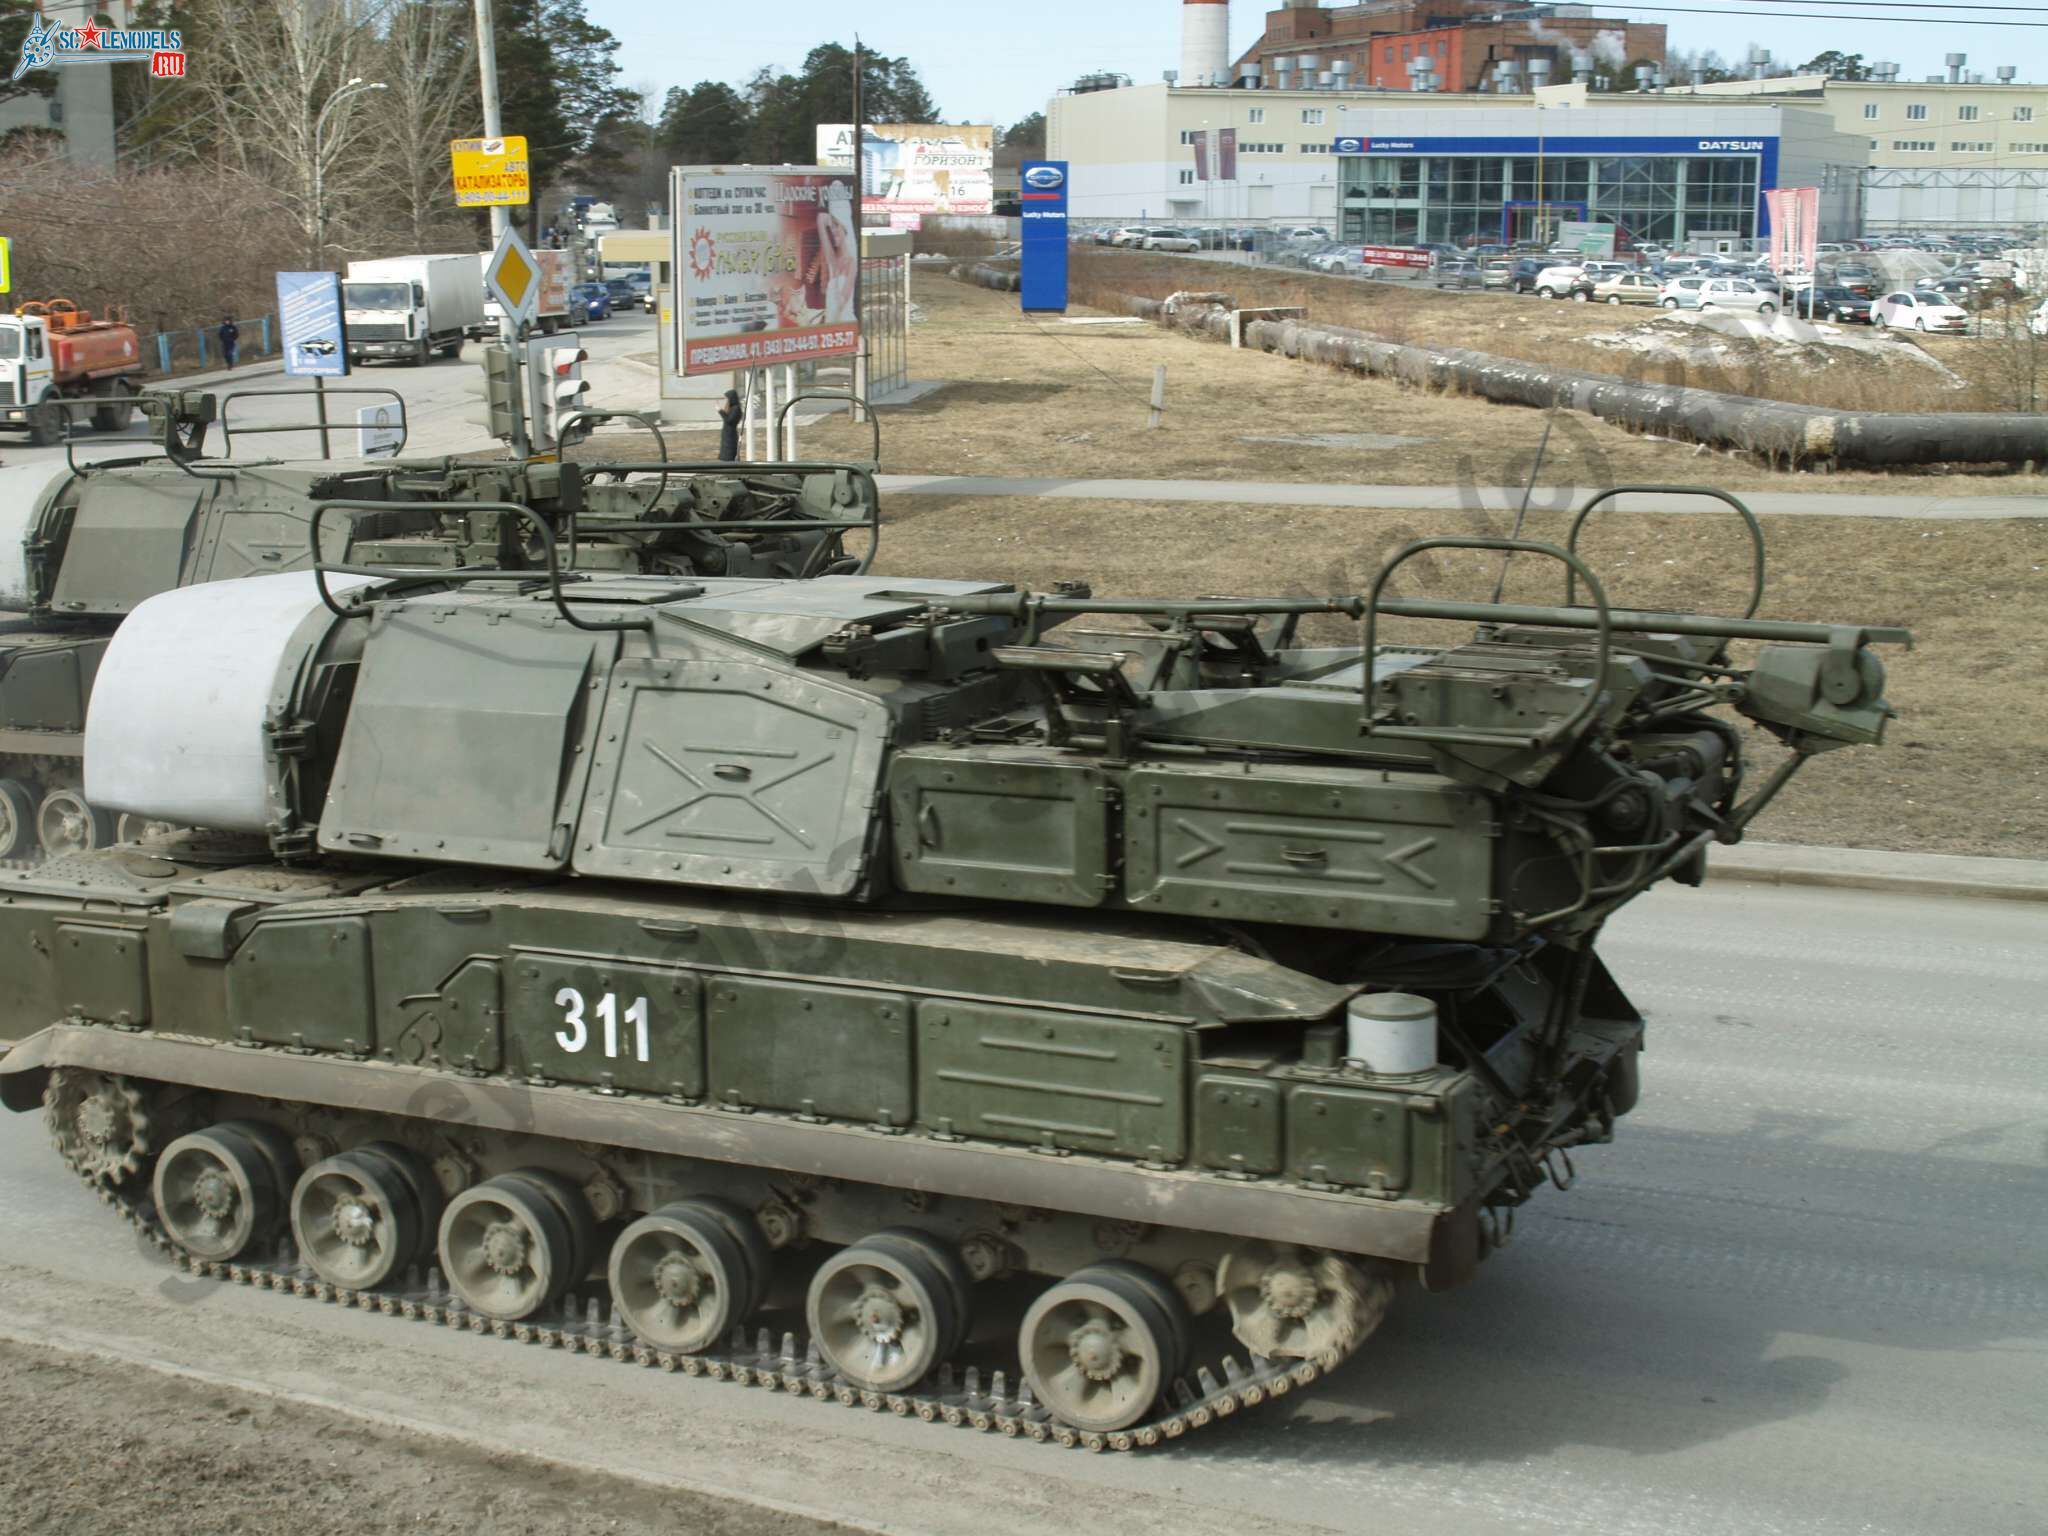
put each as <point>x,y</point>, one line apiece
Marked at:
<point>1539,74</point>
<point>1955,63</point>
<point>1204,40</point>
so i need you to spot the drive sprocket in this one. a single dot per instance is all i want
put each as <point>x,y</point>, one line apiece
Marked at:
<point>106,1127</point>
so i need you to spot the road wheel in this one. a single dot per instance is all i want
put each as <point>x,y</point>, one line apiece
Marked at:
<point>357,1219</point>
<point>1614,298</point>
<point>17,820</point>
<point>1767,310</point>
<point>1878,320</point>
<point>1581,296</point>
<point>1671,303</point>
<point>452,348</point>
<point>67,825</point>
<point>222,1191</point>
<point>684,1276</point>
<point>422,351</point>
<point>1098,1350</point>
<point>884,1314</point>
<point>505,1248</point>
<point>46,424</point>
<point>1920,324</point>
<point>115,415</point>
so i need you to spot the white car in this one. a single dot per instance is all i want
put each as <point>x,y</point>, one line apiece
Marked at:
<point>1169,240</point>
<point>1918,312</point>
<point>1129,235</point>
<point>1736,293</point>
<point>1556,282</point>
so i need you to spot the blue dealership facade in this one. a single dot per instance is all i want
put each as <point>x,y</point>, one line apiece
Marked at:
<point>1668,173</point>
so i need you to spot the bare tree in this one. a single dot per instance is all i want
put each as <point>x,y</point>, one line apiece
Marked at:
<point>279,108</point>
<point>427,61</point>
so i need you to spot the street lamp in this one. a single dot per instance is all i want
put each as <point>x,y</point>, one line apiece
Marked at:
<point>355,87</point>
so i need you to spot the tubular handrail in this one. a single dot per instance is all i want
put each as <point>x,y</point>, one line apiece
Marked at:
<point>228,432</point>
<point>1756,533</point>
<point>322,567</point>
<point>1485,735</point>
<point>857,401</point>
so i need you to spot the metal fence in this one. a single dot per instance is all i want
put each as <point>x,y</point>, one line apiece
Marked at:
<point>885,325</point>
<point>198,349</point>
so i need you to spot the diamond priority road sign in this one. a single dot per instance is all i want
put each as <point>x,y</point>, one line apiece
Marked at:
<point>513,276</point>
<point>490,172</point>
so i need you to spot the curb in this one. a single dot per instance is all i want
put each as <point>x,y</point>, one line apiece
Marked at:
<point>1867,869</point>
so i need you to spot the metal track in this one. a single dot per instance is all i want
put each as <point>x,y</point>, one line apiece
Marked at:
<point>961,1400</point>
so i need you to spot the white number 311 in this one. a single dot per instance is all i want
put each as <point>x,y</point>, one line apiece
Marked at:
<point>574,1035</point>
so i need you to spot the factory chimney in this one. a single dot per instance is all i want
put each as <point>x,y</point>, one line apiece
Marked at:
<point>1204,40</point>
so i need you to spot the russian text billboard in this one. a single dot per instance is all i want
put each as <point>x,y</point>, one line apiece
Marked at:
<point>917,167</point>
<point>767,261</point>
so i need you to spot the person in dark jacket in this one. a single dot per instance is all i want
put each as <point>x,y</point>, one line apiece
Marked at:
<point>729,416</point>
<point>229,334</point>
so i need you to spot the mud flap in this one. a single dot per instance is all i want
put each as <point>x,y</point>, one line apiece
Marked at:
<point>1455,1249</point>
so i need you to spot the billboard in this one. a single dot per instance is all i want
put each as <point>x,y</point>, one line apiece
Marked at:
<point>309,325</point>
<point>767,263</point>
<point>1043,283</point>
<point>917,167</point>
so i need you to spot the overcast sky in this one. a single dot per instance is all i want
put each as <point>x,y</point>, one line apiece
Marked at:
<point>997,63</point>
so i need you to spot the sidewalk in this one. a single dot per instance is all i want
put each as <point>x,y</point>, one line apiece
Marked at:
<point>1869,869</point>
<point>1451,498</point>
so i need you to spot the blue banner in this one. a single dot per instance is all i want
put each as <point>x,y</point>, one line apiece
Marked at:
<point>309,324</point>
<point>1043,196</point>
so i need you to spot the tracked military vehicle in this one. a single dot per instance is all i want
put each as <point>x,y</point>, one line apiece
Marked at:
<point>96,539</point>
<point>1057,1014</point>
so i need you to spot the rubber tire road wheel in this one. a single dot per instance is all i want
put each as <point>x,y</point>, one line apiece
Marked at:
<point>1546,293</point>
<point>17,820</point>
<point>1581,296</point>
<point>46,424</point>
<point>355,1220</point>
<point>1879,322</point>
<point>679,1278</point>
<point>1095,1351</point>
<point>422,354</point>
<point>241,1171</point>
<point>518,1283</point>
<point>881,1315</point>
<point>1920,324</point>
<point>1670,304</point>
<point>1767,310</point>
<point>453,349</point>
<point>67,824</point>
<point>115,415</point>
<point>1614,298</point>
<point>945,1259</point>
<point>1168,1306</point>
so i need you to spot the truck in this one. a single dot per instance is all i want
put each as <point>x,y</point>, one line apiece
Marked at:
<point>409,307</point>
<point>557,272</point>
<point>52,351</point>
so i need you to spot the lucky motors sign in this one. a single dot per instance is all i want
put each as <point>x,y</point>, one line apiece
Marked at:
<point>767,261</point>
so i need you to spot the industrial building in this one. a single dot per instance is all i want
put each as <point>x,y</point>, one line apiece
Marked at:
<point>1256,137</point>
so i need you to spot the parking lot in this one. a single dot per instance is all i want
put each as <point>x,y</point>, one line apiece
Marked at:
<point>1933,289</point>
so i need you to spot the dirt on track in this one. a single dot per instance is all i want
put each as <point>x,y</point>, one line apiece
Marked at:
<point>89,1448</point>
<point>1044,396</point>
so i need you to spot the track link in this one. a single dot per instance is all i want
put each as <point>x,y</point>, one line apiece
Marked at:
<point>961,1400</point>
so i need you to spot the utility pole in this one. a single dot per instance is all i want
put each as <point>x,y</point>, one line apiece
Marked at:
<point>501,217</point>
<point>858,409</point>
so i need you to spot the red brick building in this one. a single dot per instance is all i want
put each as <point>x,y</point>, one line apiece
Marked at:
<point>1381,41</point>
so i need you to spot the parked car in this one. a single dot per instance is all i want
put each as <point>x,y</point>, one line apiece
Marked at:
<point>1555,282</point>
<point>1497,273</point>
<point>1682,292</point>
<point>1527,269</point>
<point>1737,293</point>
<point>1954,289</point>
<point>1129,236</point>
<point>1457,274</point>
<point>1922,312</point>
<point>590,301</point>
<point>1168,240</point>
<point>623,294</point>
<point>1856,277</point>
<point>1617,288</point>
<point>1837,304</point>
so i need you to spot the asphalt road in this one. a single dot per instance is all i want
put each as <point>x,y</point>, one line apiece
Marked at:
<point>438,403</point>
<point>1806,1291</point>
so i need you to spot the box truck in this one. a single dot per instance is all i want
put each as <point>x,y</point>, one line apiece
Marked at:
<point>409,307</point>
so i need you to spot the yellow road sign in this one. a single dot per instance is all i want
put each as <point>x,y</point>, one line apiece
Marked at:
<point>6,264</point>
<point>513,275</point>
<point>490,172</point>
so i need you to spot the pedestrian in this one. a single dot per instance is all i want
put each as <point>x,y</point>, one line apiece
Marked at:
<point>729,416</point>
<point>229,334</point>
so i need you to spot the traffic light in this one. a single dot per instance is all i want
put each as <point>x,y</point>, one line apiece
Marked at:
<point>500,388</point>
<point>559,389</point>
